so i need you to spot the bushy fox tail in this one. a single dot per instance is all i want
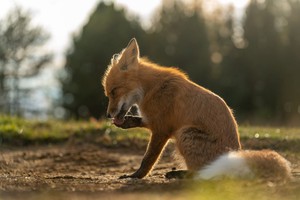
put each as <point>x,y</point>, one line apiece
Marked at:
<point>264,164</point>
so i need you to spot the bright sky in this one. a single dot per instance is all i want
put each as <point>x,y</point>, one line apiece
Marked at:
<point>62,18</point>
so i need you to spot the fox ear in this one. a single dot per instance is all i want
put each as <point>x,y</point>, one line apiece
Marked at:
<point>131,54</point>
<point>133,48</point>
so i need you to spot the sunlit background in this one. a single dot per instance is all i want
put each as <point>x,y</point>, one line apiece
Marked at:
<point>247,51</point>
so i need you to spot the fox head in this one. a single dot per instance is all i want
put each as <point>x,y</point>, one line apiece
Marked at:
<point>121,84</point>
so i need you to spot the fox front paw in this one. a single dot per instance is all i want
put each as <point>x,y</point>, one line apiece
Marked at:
<point>132,176</point>
<point>125,176</point>
<point>130,122</point>
<point>138,174</point>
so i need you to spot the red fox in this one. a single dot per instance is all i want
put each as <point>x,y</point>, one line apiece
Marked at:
<point>174,107</point>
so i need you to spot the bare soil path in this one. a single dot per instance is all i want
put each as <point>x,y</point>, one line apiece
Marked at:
<point>86,170</point>
<point>81,168</point>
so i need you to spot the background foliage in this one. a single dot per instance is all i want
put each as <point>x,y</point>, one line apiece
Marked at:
<point>21,58</point>
<point>252,62</point>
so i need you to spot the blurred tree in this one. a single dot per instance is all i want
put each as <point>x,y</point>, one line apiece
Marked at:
<point>225,43</point>
<point>259,58</point>
<point>252,62</point>
<point>262,57</point>
<point>20,56</point>
<point>290,91</point>
<point>107,31</point>
<point>180,37</point>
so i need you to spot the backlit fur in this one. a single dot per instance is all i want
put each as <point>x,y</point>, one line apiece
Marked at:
<point>264,164</point>
<point>172,106</point>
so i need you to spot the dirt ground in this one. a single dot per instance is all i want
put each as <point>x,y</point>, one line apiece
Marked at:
<point>73,169</point>
<point>82,168</point>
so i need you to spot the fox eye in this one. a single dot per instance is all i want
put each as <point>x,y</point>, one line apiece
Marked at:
<point>113,92</point>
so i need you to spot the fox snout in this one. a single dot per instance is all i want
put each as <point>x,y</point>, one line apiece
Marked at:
<point>113,113</point>
<point>117,108</point>
<point>108,115</point>
<point>110,112</point>
<point>113,109</point>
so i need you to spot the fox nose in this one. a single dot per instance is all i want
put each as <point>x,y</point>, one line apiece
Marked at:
<point>108,115</point>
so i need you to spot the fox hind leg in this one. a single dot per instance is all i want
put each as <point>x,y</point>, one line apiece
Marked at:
<point>197,147</point>
<point>179,174</point>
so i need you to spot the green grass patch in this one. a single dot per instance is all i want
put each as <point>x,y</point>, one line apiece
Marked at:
<point>281,139</point>
<point>18,131</point>
<point>269,132</point>
<point>15,131</point>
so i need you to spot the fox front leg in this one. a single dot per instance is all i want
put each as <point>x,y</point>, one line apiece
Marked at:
<point>154,149</point>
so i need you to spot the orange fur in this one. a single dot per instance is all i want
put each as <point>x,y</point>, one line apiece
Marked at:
<point>171,106</point>
<point>267,164</point>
